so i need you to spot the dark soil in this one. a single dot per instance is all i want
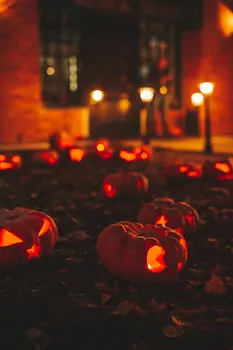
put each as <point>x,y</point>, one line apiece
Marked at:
<point>69,301</point>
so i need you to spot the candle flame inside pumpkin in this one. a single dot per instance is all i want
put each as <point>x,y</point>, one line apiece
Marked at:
<point>154,259</point>
<point>162,220</point>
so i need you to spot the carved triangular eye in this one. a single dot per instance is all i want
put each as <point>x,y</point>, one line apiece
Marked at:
<point>45,228</point>
<point>7,238</point>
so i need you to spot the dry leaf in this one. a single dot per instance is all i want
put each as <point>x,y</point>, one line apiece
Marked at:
<point>215,286</point>
<point>173,331</point>
<point>123,308</point>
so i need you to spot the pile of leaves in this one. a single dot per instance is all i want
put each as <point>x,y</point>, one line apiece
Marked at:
<point>69,301</point>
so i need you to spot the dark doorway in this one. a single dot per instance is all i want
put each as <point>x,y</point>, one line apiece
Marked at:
<point>108,52</point>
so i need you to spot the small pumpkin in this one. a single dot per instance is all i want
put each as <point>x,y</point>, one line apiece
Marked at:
<point>10,162</point>
<point>25,234</point>
<point>125,184</point>
<point>221,170</point>
<point>138,253</point>
<point>164,211</point>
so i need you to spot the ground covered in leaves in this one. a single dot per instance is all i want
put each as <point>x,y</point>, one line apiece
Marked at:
<point>69,301</point>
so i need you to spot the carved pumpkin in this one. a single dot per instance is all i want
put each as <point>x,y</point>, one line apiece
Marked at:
<point>221,170</point>
<point>127,156</point>
<point>138,253</point>
<point>25,234</point>
<point>181,171</point>
<point>143,153</point>
<point>125,184</point>
<point>103,149</point>
<point>10,162</point>
<point>50,157</point>
<point>176,215</point>
<point>76,154</point>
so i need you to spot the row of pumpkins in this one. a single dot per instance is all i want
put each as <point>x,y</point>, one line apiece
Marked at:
<point>154,249</point>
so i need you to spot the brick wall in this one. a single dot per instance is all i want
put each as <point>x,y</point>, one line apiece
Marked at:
<point>21,109</point>
<point>208,55</point>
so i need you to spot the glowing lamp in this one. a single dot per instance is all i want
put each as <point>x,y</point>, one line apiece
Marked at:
<point>161,252</point>
<point>197,99</point>
<point>96,96</point>
<point>206,88</point>
<point>146,94</point>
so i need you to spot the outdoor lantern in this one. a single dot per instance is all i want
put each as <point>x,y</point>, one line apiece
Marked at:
<point>197,99</point>
<point>138,253</point>
<point>146,94</point>
<point>206,88</point>
<point>179,216</point>
<point>25,234</point>
<point>96,96</point>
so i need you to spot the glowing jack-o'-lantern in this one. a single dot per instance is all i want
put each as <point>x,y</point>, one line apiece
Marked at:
<point>103,149</point>
<point>125,184</point>
<point>142,153</point>
<point>50,157</point>
<point>221,170</point>
<point>181,171</point>
<point>10,162</point>
<point>179,216</point>
<point>138,253</point>
<point>25,234</point>
<point>76,154</point>
<point>127,156</point>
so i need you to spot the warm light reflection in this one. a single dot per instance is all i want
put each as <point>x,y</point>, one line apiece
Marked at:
<point>162,220</point>
<point>155,259</point>
<point>124,104</point>
<point>225,19</point>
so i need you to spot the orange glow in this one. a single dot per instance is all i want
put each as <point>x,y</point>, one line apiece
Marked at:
<point>4,6</point>
<point>2,157</point>
<point>34,251</point>
<point>100,147</point>
<point>16,159</point>
<point>224,167</point>
<point>183,168</point>
<point>109,190</point>
<point>193,173</point>
<point>7,238</point>
<point>154,259</point>
<point>45,228</point>
<point>144,155</point>
<point>50,157</point>
<point>127,156</point>
<point>162,221</point>
<point>106,155</point>
<point>225,18</point>
<point>76,154</point>
<point>6,165</point>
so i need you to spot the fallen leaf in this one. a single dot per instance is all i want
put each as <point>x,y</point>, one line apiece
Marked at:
<point>105,298</point>
<point>123,308</point>
<point>79,235</point>
<point>215,286</point>
<point>173,331</point>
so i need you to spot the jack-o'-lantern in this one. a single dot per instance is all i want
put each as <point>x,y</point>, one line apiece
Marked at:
<point>127,156</point>
<point>25,234</point>
<point>103,149</point>
<point>143,153</point>
<point>220,170</point>
<point>179,216</point>
<point>138,253</point>
<point>181,171</point>
<point>76,154</point>
<point>50,157</point>
<point>10,162</point>
<point>125,184</point>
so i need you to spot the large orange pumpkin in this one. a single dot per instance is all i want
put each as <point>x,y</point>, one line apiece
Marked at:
<point>125,184</point>
<point>25,234</point>
<point>138,253</point>
<point>164,211</point>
